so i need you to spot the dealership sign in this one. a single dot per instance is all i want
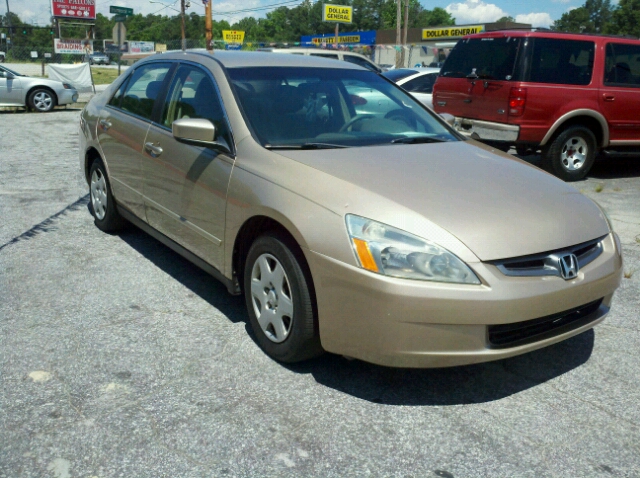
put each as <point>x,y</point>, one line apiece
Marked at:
<point>83,9</point>
<point>74,47</point>
<point>233,36</point>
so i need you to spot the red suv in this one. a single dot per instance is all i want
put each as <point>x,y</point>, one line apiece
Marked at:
<point>568,95</point>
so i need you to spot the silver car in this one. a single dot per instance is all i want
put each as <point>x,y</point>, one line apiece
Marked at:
<point>39,94</point>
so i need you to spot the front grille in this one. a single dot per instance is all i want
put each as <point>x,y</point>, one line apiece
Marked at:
<point>521,333</point>
<point>547,264</point>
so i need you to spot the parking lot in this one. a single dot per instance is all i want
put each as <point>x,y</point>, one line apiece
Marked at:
<point>120,358</point>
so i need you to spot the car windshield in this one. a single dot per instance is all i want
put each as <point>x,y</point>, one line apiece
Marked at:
<point>398,74</point>
<point>325,107</point>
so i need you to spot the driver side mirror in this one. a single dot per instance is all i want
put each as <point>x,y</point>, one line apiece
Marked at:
<point>7,75</point>
<point>198,131</point>
<point>448,118</point>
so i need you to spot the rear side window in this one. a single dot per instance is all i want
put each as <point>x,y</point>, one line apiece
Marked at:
<point>422,84</point>
<point>143,89</point>
<point>399,73</point>
<point>622,65</point>
<point>565,62</point>
<point>488,58</point>
<point>332,56</point>
<point>360,61</point>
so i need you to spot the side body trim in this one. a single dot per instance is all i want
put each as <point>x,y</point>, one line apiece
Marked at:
<point>581,112</point>
<point>232,286</point>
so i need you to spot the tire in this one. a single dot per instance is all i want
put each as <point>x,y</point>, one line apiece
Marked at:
<point>280,302</point>
<point>103,206</point>
<point>42,100</point>
<point>571,153</point>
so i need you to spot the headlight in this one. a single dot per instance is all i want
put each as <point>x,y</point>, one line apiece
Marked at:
<point>393,252</point>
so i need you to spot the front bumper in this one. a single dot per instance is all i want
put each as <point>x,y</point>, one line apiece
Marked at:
<point>67,96</point>
<point>486,130</point>
<point>405,323</point>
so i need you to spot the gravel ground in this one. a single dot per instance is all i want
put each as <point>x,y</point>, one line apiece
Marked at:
<point>119,358</point>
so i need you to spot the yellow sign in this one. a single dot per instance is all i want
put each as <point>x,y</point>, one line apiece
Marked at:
<point>341,39</point>
<point>161,47</point>
<point>233,36</point>
<point>337,13</point>
<point>450,32</point>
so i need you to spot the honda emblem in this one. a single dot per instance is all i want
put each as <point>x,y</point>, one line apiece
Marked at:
<point>568,265</point>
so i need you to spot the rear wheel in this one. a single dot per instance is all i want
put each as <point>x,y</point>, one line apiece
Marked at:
<point>103,206</point>
<point>42,100</point>
<point>280,301</point>
<point>571,154</point>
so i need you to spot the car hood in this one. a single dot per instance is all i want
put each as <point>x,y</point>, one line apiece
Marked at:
<point>497,205</point>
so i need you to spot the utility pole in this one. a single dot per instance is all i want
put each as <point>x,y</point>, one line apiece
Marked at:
<point>207,24</point>
<point>9,35</point>
<point>398,18</point>
<point>184,39</point>
<point>406,27</point>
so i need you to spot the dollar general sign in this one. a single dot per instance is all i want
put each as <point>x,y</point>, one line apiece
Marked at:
<point>337,13</point>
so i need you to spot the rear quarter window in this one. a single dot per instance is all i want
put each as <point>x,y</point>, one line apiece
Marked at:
<point>565,62</point>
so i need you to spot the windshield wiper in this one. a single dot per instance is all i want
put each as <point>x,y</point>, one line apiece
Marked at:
<point>418,140</point>
<point>305,146</point>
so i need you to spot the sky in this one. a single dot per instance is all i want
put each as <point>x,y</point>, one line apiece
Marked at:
<point>540,13</point>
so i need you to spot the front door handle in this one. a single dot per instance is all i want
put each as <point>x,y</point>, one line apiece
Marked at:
<point>607,97</point>
<point>106,124</point>
<point>154,150</point>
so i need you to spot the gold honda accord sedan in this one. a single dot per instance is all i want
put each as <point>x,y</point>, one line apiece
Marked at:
<point>352,219</point>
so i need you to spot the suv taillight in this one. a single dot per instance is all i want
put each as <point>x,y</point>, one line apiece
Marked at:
<point>517,100</point>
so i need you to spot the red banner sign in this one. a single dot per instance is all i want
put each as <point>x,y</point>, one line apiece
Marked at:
<point>82,9</point>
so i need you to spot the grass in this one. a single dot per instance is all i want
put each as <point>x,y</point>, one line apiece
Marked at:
<point>103,76</point>
<point>599,188</point>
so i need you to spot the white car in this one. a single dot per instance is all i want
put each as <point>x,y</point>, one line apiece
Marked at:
<point>349,56</point>
<point>39,94</point>
<point>416,81</point>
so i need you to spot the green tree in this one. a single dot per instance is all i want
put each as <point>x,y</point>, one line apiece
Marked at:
<point>626,18</point>
<point>506,19</point>
<point>575,21</point>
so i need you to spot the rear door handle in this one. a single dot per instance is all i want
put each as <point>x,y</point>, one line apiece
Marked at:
<point>154,150</point>
<point>607,97</point>
<point>106,124</point>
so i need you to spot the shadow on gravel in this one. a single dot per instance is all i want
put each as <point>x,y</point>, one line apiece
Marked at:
<point>611,168</point>
<point>189,275</point>
<point>448,386</point>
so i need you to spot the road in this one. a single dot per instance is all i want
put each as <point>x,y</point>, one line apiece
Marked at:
<point>119,358</point>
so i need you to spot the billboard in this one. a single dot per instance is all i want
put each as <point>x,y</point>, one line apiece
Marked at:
<point>337,13</point>
<point>233,36</point>
<point>73,47</point>
<point>141,46</point>
<point>82,9</point>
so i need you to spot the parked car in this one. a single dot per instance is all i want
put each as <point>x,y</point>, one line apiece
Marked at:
<point>39,94</point>
<point>385,237</point>
<point>567,95</point>
<point>99,58</point>
<point>349,56</point>
<point>417,81</point>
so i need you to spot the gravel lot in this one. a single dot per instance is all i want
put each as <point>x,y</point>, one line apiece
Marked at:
<point>119,358</point>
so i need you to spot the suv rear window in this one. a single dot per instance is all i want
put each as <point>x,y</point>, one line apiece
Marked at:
<point>565,62</point>
<point>489,58</point>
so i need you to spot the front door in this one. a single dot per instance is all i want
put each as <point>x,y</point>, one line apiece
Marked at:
<point>10,89</point>
<point>620,94</point>
<point>122,130</point>
<point>186,184</point>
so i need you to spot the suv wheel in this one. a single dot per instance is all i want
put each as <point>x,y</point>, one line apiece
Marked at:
<point>279,301</point>
<point>571,154</point>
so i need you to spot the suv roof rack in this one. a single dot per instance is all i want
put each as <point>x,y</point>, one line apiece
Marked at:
<point>558,32</point>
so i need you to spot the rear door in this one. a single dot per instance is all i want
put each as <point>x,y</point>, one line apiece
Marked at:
<point>186,184</point>
<point>620,93</point>
<point>122,129</point>
<point>477,76</point>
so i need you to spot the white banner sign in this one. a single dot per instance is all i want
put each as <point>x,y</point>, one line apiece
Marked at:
<point>74,47</point>
<point>141,46</point>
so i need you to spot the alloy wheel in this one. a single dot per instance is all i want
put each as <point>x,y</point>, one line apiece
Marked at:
<point>99,194</point>
<point>574,153</point>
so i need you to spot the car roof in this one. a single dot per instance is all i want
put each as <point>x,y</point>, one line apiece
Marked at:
<point>243,59</point>
<point>550,34</point>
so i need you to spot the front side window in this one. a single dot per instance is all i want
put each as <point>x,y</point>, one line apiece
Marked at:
<point>484,58</point>
<point>143,89</point>
<point>193,95</point>
<point>422,84</point>
<point>326,107</point>
<point>565,62</point>
<point>622,65</point>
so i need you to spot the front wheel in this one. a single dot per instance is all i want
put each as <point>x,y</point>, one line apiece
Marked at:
<point>571,154</point>
<point>279,301</point>
<point>42,100</point>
